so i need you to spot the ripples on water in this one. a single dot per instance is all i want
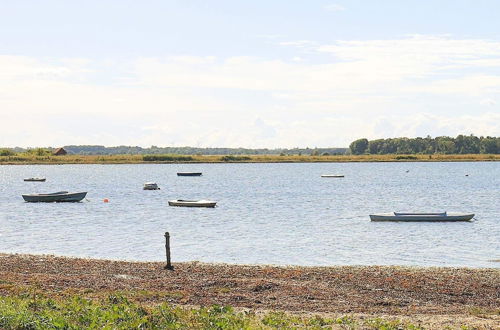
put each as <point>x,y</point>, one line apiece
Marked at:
<point>266,214</point>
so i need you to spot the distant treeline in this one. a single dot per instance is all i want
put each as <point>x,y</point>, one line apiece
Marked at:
<point>154,150</point>
<point>462,144</point>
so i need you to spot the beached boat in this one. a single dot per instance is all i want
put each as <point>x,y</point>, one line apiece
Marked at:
<point>150,186</point>
<point>192,203</point>
<point>35,179</point>
<point>188,173</point>
<point>332,176</point>
<point>433,217</point>
<point>60,196</point>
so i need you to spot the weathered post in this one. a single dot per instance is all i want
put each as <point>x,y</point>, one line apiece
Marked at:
<point>167,251</point>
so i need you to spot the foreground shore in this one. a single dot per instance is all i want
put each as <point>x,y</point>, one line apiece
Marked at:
<point>166,159</point>
<point>431,297</point>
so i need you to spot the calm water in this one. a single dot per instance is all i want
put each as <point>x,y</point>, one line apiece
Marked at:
<point>267,213</point>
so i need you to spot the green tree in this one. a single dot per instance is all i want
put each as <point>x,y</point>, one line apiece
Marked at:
<point>375,146</point>
<point>467,144</point>
<point>445,145</point>
<point>462,144</point>
<point>490,145</point>
<point>6,152</point>
<point>359,146</point>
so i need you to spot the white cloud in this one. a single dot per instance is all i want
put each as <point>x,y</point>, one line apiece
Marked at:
<point>416,85</point>
<point>379,67</point>
<point>473,85</point>
<point>334,7</point>
<point>297,43</point>
<point>416,56</point>
<point>488,102</point>
<point>423,124</point>
<point>270,36</point>
<point>22,68</point>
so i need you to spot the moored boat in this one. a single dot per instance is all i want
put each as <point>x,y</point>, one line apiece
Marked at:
<point>35,179</point>
<point>60,196</point>
<point>332,176</point>
<point>189,173</point>
<point>424,217</point>
<point>150,186</point>
<point>192,203</point>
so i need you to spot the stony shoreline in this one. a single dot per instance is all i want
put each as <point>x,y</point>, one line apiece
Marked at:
<point>452,294</point>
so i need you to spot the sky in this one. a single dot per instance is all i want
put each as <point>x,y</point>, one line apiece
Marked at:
<point>256,74</point>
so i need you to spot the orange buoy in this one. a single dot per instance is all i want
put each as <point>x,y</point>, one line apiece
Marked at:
<point>106,200</point>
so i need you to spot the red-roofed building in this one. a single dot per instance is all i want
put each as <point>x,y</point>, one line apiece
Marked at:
<point>60,152</point>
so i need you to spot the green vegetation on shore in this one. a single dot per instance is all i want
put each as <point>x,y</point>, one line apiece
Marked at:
<point>441,148</point>
<point>462,144</point>
<point>136,159</point>
<point>34,311</point>
<point>154,150</point>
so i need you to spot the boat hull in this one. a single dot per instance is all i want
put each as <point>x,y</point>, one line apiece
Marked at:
<point>189,174</point>
<point>54,198</point>
<point>422,217</point>
<point>150,186</point>
<point>188,203</point>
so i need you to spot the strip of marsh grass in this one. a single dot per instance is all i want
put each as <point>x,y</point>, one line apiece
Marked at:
<point>116,311</point>
<point>136,159</point>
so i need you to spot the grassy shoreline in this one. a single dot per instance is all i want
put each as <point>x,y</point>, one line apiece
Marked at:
<point>191,296</point>
<point>166,159</point>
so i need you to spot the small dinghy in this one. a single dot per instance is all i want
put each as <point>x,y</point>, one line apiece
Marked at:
<point>332,176</point>
<point>35,179</point>
<point>188,173</point>
<point>192,203</point>
<point>60,196</point>
<point>150,186</point>
<point>432,217</point>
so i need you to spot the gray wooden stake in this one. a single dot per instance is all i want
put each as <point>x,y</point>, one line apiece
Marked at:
<point>167,251</point>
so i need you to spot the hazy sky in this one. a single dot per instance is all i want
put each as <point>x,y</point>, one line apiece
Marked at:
<point>246,73</point>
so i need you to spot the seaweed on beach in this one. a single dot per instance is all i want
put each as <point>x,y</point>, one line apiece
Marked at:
<point>388,290</point>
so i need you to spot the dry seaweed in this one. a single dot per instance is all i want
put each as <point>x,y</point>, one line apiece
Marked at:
<point>342,289</point>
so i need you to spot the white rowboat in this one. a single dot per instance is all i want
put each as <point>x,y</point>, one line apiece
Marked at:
<point>431,217</point>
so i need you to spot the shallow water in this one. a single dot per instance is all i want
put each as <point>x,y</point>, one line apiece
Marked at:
<point>266,214</point>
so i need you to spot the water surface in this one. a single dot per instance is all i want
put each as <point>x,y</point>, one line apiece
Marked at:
<point>267,213</point>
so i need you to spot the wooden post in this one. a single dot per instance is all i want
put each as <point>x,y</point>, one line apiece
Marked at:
<point>167,251</point>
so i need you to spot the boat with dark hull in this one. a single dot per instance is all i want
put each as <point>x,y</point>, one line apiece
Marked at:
<point>60,196</point>
<point>150,186</point>
<point>422,217</point>
<point>189,173</point>
<point>35,179</point>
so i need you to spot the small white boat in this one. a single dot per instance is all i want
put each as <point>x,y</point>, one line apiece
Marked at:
<point>192,203</point>
<point>35,179</point>
<point>150,186</point>
<point>332,176</point>
<point>432,217</point>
